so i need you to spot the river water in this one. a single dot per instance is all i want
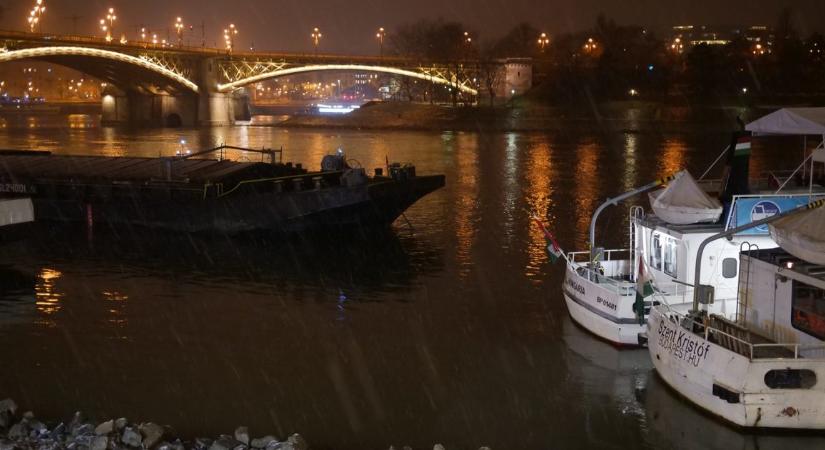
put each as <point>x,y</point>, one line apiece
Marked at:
<point>450,329</point>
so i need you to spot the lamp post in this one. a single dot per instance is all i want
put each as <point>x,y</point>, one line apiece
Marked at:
<point>34,16</point>
<point>543,41</point>
<point>316,38</point>
<point>179,30</point>
<point>229,36</point>
<point>380,36</point>
<point>107,25</point>
<point>677,46</point>
<point>590,45</point>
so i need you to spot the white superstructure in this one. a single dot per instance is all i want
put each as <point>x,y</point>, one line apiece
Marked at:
<point>765,367</point>
<point>600,286</point>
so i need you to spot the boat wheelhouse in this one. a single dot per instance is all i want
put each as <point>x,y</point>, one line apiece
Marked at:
<point>601,286</point>
<point>764,368</point>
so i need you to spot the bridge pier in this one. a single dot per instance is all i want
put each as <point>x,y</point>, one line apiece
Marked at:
<point>219,108</point>
<point>157,110</point>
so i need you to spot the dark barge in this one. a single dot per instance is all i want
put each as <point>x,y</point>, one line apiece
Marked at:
<point>206,195</point>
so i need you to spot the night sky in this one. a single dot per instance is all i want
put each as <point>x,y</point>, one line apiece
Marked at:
<point>350,25</point>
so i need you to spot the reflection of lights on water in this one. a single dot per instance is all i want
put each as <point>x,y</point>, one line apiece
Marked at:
<point>539,191</point>
<point>631,145</point>
<point>115,304</point>
<point>586,191</point>
<point>48,299</point>
<point>673,157</point>
<point>511,186</point>
<point>466,201</point>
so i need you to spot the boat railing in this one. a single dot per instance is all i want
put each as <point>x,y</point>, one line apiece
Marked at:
<point>608,255</point>
<point>607,273</point>
<point>739,339</point>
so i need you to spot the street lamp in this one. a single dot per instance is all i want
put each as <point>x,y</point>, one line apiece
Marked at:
<point>34,15</point>
<point>543,41</point>
<point>380,36</point>
<point>758,50</point>
<point>467,38</point>
<point>229,36</point>
<point>677,46</point>
<point>179,30</point>
<point>108,24</point>
<point>316,38</point>
<point>590,45</point>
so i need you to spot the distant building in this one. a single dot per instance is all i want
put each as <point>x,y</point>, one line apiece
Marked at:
<point>683,37</point>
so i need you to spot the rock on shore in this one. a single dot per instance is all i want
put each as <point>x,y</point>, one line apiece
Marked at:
<point>25,432</point>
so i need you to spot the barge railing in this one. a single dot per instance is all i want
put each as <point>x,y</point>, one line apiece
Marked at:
<point>223,147</point>
<point>741,344</point>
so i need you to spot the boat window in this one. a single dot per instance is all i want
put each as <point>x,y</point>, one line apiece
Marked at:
<point>808,309</point>
<point>790,379</point>
<point>729,269</point>
<point>656,252</point>
<point>669,257</point>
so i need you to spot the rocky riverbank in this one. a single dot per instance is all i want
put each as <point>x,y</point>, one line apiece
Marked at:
<point>25,432</point>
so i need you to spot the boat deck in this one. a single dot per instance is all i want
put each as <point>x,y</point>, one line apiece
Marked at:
<point>739,339</point>
<point>18,167</point>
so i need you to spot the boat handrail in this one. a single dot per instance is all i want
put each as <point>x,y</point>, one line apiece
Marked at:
<point>752,348</point>
<point>619,287</point>
<point>608,255</point>
<point>788,195</point>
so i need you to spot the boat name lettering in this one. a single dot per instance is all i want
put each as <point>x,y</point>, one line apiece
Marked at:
<point>576,287</point>
<point>607,303</point>
<point>17,188</point>
<point>682,344</point>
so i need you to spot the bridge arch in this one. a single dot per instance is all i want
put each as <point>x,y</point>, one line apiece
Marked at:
<point>64,51</point>
<point>228,87</point>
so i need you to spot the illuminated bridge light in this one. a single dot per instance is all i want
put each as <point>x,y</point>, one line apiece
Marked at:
<point>358,67</point>
<point>96,53</point>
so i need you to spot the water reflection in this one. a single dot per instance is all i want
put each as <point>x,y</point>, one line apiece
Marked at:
<point>18,296</point>
<point>587,176</point>
<point>48,297</point>
<point>610,379</point>
<point>538,192</point>
<point>672,157</point>
<point>673,423</point>
<point>630,174</point>
<point>466,201</point>
<point>511,186</point>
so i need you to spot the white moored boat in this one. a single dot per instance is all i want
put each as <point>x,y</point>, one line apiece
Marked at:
<point>761,369</point>
<point>600,286</point>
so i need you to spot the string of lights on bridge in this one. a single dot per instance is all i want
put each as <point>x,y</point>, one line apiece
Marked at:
<point>34,20</point>
<point>230,33</point>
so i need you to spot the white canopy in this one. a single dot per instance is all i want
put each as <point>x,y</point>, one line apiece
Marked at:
<point>802,235</point>
<point>684,202</point>
<point>790,121</point>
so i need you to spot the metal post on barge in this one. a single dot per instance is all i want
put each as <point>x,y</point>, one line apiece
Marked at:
<point>594,254</point>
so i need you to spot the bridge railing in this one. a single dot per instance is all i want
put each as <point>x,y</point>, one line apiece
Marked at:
<point>52,39</point>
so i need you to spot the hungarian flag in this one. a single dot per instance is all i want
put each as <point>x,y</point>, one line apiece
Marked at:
<point>553,248</point>
<point>743,146</point>
<point>644,289</point>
